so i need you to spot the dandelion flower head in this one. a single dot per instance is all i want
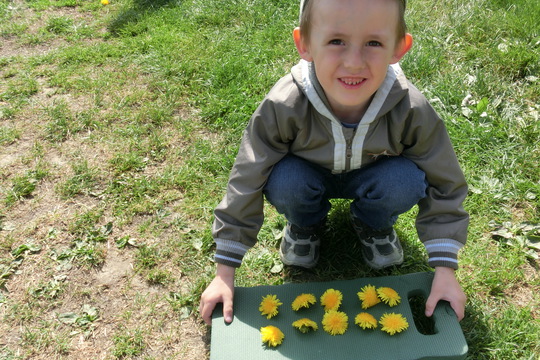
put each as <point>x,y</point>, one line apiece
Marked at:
<point>331,299</point>
<point>269,306</point>
<point>393,323</point>
<point>272,335</point>
<point>335,322</point>
<point>303,301</point>
<point>389,296</point>
<point>305,325</point>
<point>365,321</point>
<point>368,296</point>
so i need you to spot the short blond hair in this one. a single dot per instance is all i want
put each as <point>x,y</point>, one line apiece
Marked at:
<point>305,18</point>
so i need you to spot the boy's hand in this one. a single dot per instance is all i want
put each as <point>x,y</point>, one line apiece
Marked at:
<point>220,290</point>
<point>446,287</point>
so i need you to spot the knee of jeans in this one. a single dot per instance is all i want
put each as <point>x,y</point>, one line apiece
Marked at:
<point>292,180</point>
<point>412,188</point>
<point>409,178</point>
<point>402,188</point>
<point>299,194</point>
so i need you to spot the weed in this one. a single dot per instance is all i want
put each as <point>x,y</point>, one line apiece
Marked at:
<point>7,354</point>
<point>128,343</point>
<point>59,25</point>
<point>184,305</point>
<point>84,319</point>
<point>131,161</point>
<point>86,221</point>
<point>51,289</point>
<point>524,237</point>
<point>85,249</point>
<point>159,277</point>
<point>81,182</point>
<point>24,185</point>
<point>62,124</point>
<point>124,241</point>
<point>20,87</point>
<point>147,257</point>
<point>81,252</point>
<point>8,135</point>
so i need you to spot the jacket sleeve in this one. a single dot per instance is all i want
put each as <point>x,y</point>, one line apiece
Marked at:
<point>239,216</point>
<point>442,221</point>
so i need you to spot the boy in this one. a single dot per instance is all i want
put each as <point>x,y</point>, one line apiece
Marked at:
<point>345,123</point>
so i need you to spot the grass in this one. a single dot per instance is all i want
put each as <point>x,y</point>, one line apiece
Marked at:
<point>118,128</point>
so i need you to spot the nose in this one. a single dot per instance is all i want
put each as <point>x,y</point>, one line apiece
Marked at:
<point>354,59</point>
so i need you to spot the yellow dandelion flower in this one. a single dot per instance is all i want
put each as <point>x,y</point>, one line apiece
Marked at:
<point>272,335</point>
<point>368,296</point>
<point>365,321</point>
<point>269,306</point>
<point>104,2</point>
<point>393,323</point>
<point>303,301</point>
<point>305,325</point>
<point>389,296</point>
<point>331,299</point>
<point>335,322</point>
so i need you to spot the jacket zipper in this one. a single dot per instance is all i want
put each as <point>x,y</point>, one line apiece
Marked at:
<point>349,136</point>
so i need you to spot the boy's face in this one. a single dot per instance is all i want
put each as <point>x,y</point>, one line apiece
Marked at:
<point>351,44</point>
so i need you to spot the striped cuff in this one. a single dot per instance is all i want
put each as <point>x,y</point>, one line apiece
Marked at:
<point>443,252</point>
<point>229,252</point>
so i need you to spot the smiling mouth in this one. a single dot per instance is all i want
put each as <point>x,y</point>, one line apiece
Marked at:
<point>352,82</point>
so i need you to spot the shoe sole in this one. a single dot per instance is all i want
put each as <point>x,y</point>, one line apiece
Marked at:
<point>294,263</point>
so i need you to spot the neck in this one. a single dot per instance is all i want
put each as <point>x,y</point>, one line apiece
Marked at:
<point>349,116</point>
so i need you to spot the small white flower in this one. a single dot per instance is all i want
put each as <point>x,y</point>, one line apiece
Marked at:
<point>467,100</point>
<point>471,79</point>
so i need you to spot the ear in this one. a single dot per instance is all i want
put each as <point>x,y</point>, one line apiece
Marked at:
<point>301,46</point>
<point>402,48</point>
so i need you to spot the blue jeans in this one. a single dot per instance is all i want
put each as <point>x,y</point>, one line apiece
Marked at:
<point>381,191</point>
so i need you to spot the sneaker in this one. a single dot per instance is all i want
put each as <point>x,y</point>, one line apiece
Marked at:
<point>300,246</point>
<point>381,248</point>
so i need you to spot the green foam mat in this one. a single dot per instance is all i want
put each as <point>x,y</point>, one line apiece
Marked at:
<point>241,340</point>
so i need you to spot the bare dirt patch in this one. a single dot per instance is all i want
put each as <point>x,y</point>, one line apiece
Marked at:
<point>37,288</point>
<point>523,295</point>
<point>124,300</point>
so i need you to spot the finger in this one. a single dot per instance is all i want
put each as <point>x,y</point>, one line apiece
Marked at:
<point>201,308</point>
<point>228,310</point>
<point>431,303</point>
<point>206,313</point>
<point>460,311</point>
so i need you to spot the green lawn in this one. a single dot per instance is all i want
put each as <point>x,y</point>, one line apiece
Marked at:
<point>118,128</point>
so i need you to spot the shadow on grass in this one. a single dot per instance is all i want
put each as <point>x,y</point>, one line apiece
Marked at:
<point>477,333</point>
<point>127,22</point>
<point>341,256</point>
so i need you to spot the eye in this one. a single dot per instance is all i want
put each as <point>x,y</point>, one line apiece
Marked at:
<point>336,42</point>
<point>373,43</point>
